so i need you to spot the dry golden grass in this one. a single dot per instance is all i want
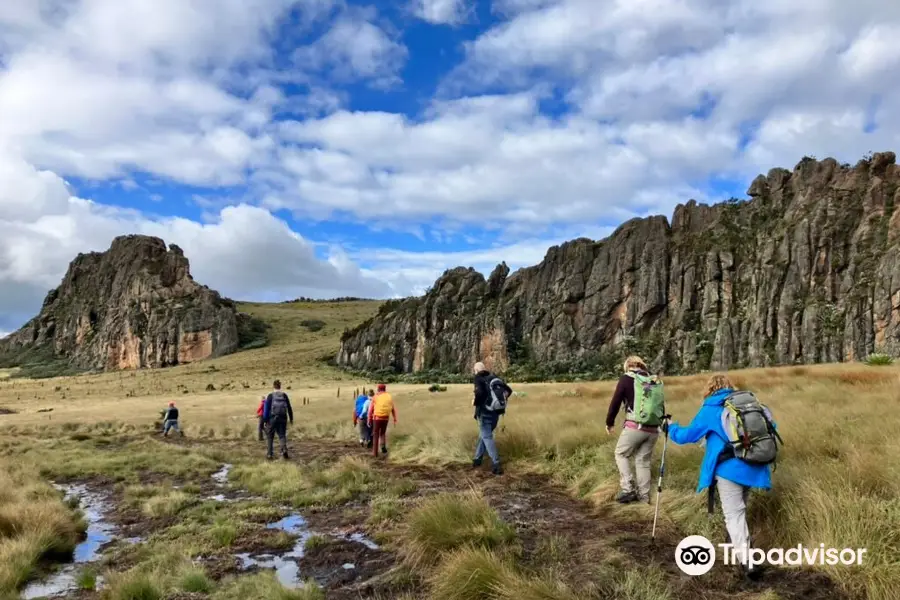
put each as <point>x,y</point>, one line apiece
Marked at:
<point>34,523</point>
<point>837,482</point>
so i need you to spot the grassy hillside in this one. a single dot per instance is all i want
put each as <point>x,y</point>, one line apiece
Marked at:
<point>547,529</point>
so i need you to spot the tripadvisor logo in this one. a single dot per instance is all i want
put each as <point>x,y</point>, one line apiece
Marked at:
<point>696,555</point>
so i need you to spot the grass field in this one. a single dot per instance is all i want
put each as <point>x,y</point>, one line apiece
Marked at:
<point>546,529</point>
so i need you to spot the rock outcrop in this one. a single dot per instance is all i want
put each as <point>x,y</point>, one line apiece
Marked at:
<point>135,305</point>
<point>806,270</point>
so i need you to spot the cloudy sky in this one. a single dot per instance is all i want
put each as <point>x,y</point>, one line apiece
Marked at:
<point>336,147</point>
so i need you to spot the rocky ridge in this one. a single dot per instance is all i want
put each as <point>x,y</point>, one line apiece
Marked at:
<point>806,270</point>
<point>135,305</point>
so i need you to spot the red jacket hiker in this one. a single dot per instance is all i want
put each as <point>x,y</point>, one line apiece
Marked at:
<point>259,414</point>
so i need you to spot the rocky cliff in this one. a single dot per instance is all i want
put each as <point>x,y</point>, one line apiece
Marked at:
<point>806,270</point>
<point>135,305</point>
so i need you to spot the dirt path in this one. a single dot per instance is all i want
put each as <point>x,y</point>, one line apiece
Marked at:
<point>539,509</point>
<point>586,538</point>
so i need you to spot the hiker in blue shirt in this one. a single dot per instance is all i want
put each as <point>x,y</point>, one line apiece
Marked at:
<point>361,418</point>
<point>733,477</point>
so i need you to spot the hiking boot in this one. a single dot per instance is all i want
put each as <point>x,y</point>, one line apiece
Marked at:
<point>626,497</point>
<point>497,470</point>
<point>476,462</point>
<point>285,456</point>
<point>753,574</point>
<point>384,450</point>
<point>269,457</point>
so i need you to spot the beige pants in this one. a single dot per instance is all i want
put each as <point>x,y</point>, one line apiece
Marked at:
<point>733,498</point>
<point>637,444</point>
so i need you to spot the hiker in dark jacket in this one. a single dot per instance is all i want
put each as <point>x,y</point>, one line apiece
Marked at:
<point>276,413</point>
<point>487,419</point>
<point>170,420</point>
<point>635,441</point>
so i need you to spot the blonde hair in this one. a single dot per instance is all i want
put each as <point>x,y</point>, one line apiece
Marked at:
<point>479,367</point>
<point>634,362</point>
<point>717,382</point>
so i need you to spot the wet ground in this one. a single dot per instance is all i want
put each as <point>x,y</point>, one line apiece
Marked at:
<point>348,564</point>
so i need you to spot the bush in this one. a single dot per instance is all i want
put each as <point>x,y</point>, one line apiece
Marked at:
<point>313,324</point>
<point>879,360</point>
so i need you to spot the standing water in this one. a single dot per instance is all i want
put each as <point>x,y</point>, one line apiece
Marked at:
<point>99,533</point>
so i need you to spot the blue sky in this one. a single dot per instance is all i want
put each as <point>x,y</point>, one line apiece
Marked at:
<point>340,147</point>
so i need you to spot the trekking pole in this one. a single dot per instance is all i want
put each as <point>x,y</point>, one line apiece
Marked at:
<point>662,470</point>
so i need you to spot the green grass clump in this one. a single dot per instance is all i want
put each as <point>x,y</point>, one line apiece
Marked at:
<point>194,580</point>
<point>446,522</point>
<point>479,574</point>
<point>167,505</point>
<point>265,586</point>
<point>879,360</point>
<point>132,586</point>
<point>87,579</point>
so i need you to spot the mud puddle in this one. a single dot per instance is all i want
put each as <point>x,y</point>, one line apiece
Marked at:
<point>288,565</point>
<point>100,533</point>
<point>220,477</point>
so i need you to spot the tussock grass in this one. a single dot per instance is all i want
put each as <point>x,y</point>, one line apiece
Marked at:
<point>264,586</point>
<point>167,505</point>
<point>132,585</point>
<point>34,523</point>
<point>86,579</point>
<point>194,580</point>
<point>478,574</point>
<point>446,522</point>
<point>646,583</point>
<point>309,485</point>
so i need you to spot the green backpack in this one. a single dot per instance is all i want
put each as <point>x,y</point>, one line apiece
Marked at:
<point>649,400</point>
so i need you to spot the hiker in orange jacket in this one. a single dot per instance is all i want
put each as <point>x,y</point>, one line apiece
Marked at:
<point>259,415</point>
<point>381,409</point>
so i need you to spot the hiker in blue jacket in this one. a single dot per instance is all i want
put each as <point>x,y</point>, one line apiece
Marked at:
<point>361,417</point>
<point>733,477</point>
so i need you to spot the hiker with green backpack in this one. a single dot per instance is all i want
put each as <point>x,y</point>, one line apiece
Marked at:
<point>641,395</point>
<point>741,447</point>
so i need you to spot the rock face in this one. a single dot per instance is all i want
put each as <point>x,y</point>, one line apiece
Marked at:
<point>807,270</point>
<point>135,305</point>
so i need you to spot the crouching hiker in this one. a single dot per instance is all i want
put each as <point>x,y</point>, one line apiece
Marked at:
<point>741,445</point>
<point>381,409</point>
<point>641,394</point>
<point>491,396</point>
<point>170,420</point>
<point>259,415</point>
<point>361,417</point>
<point>276,413</point>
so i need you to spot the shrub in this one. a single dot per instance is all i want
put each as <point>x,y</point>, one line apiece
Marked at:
<point>879,360</point>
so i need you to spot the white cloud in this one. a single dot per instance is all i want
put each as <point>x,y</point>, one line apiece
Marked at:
<point>355,48</point>
<point>493,161</point>
<point>443,12</point>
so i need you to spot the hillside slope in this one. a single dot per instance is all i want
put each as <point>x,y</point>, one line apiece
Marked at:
<point>804,271</point>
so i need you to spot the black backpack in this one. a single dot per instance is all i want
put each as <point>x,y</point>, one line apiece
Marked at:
<point>279,405</point>
<point>499,397</point>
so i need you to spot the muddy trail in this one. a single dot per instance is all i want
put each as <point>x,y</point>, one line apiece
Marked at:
<point>349,565</point>
<point>539,509</point>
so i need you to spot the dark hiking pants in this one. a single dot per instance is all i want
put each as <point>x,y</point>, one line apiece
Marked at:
<point>379,434</point>
<point>277,426</point>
